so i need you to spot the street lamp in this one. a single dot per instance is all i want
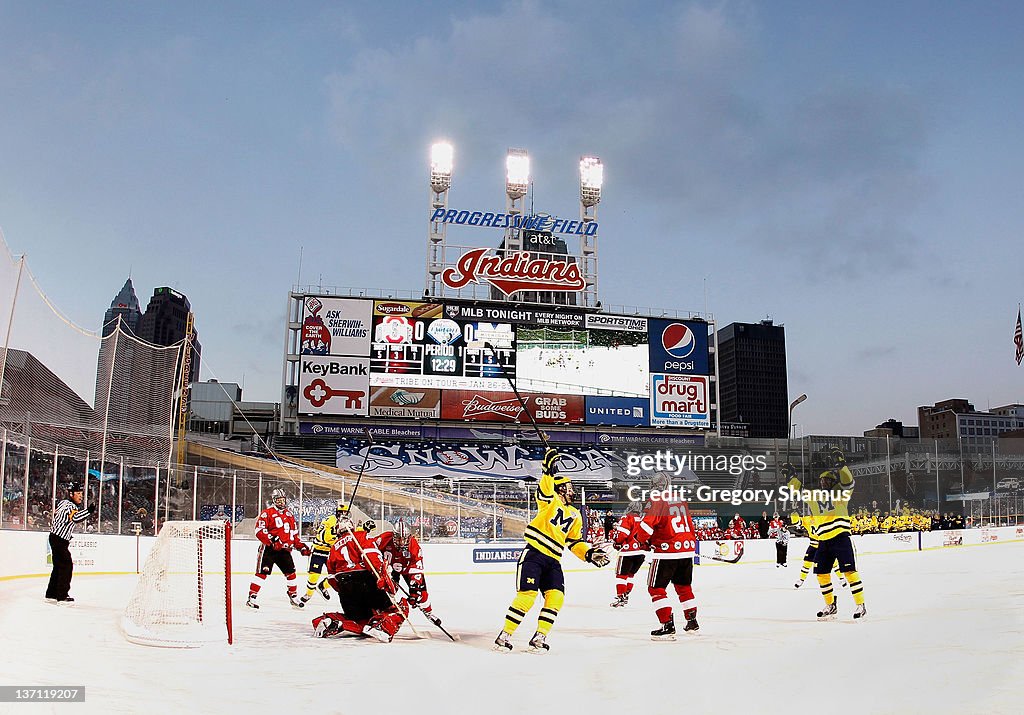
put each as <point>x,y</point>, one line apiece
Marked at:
<point>792,406</point>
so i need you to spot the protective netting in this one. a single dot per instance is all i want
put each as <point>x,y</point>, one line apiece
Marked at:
<point>111,396</point>
<point>182,595</point>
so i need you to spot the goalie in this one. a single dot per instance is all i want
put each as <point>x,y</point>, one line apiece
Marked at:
<point>356,570</point>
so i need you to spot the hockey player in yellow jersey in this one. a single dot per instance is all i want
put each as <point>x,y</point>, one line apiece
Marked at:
<point>556,526</point>
<point>830,525</point>
<point>811,555</point>
<point>326,535</point>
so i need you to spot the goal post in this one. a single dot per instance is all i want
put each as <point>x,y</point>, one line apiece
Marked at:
<point>183,596</point>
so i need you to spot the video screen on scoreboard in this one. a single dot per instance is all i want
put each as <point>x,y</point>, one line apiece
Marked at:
<point>609,355</point>
<point>440,353</point>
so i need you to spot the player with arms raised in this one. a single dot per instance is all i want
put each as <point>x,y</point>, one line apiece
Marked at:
<point>278,535</point>
<point>830,521</point>
<point>557,525</point>
<point>325,537</point>
<point>667,530</point>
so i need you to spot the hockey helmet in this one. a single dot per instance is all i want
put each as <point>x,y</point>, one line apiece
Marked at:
<point>401,534</point>
<point>828,479</point>
<point>278,498</point>
<point>634,507</point>
<point>340,509</point>
<point>660,481</point>
<point>72,487</point>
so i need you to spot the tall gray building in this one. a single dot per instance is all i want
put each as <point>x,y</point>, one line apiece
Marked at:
<point>126,306</point>
<point>752,384</point>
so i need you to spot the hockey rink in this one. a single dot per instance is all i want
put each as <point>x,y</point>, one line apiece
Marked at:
<point>944,634</point>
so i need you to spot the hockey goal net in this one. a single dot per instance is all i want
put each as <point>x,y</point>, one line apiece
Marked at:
<point>183,595</point>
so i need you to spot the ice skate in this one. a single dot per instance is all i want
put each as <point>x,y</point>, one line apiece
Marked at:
<point>538,644</point>
<point>691,626</point>
<point>798,584</point>
<point>377,632</point>
<point>859,612</point>
<point>828,613</point>
<point>503,642</point>
<point>620,601</point>
<point>667,632</point>
<point>296,602</point>
<point>324,590</point>
<point>322,626</point>
<point>305,599</point>
<point>251,602</point>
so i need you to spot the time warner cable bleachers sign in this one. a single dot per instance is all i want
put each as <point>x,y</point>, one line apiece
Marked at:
<point>503,220</point>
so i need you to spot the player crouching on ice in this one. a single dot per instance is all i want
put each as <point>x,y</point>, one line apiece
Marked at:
<point>558,524</point>
<point>356,570</point>
<point>403,555</point>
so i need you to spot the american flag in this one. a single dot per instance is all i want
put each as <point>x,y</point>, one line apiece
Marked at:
<point>1018,338</point>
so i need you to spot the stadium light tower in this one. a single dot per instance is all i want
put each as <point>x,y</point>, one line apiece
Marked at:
<point>591,179</point>
<point>517,185</point>
<point>442,155</point>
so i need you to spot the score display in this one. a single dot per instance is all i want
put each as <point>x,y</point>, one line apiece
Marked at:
<point>440,353</point>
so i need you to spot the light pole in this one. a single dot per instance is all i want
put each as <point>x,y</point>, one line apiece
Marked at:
<point>789,433</point>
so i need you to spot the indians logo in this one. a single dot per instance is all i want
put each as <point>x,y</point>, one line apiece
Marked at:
<point>514,272</point>
<point>678,340</point>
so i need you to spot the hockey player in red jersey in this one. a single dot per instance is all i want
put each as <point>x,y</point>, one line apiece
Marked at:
<point>631,553</point>
<point>667,530</point>
<point>278,535</point>
<point>402,553</point>
<point>356,570</point>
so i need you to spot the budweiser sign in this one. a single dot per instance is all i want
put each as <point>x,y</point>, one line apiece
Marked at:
<point>513,272</point>
<point>476,406</point>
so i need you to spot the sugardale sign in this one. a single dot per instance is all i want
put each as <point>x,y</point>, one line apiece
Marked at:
<point>513,272</point>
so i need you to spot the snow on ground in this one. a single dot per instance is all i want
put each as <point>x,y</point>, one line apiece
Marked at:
<point>944,634</point>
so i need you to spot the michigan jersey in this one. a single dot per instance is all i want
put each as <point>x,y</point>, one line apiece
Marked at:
<point>829,518</point>
<point>556,525</point>
<point>327,535</point>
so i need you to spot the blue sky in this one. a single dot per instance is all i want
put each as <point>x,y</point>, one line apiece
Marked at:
<point>851,170</point>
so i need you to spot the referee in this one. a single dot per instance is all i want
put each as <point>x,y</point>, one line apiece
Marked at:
<point>65,516</point>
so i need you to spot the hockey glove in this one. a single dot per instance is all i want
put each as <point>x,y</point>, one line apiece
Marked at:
<point>838,459</point>
<point>617,546</point>
<point>598,557</point>
<point>368,525</point>
<point>303,549</point>
<point>275,543</point>
<point>384,583</point>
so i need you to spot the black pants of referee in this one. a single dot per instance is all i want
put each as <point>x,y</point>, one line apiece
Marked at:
<point>63,568</point>
<point>781,549</point>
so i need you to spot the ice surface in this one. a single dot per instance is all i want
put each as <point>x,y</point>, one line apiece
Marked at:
<point>944,634</point>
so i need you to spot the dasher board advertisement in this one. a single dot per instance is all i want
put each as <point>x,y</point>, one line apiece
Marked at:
<point>334,385</point>
<point>335,326</point>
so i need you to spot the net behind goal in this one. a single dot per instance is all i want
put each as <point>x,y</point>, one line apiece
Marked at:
<point>183,595</point>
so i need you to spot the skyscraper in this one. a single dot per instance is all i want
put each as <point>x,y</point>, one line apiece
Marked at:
<point>126,305</point>
<point>165,320</point>
<point>753,388</point>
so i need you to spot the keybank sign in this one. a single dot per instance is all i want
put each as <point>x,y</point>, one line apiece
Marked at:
<point>503,220</point>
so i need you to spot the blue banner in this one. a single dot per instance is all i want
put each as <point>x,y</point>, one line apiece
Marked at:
<point>678,347</point>
<point>623,411</point>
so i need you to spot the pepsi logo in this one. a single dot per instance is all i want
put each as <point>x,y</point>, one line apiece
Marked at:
<point>678,340</point>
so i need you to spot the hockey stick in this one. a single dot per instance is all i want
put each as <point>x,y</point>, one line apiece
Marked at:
<point>715,557</point>
<point>366,458</point>
<point>429,616</point>
<point>522,403</point>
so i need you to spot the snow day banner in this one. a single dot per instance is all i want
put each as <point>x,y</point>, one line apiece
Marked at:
<point>455,460</point>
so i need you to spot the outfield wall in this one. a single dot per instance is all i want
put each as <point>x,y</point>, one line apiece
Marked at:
<point>24,554</point>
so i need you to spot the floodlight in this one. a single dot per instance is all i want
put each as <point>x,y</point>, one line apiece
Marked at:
<point>517,166</point>
<point>591,178</point>
<point>441,155</point>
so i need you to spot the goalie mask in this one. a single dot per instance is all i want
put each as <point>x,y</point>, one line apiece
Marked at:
<point>660,482</point>
<point>278,498</point>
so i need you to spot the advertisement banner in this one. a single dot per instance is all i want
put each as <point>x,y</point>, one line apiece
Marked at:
<point>410,309</point>
<point>646,440</point>
<point>429,459</point>
<point>568,319</point>
<point>330,429</point>
<point>678,347</point>
<point>633,324</point>
<point>495,555</point>
<point>471,405</point>
<point>624,411</point>
<point>334,385</point>
<point>335,326</point>
<point>409,404</point>
<point>680,401</point>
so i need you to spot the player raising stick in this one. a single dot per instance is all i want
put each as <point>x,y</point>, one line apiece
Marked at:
<point>322,543</point>
<point>831,527</point>
<point>403,555</point>
<point>667,530</point>
<point>278,535</point>
<point>356,570</point>
<point>631,553</point>
<point>557,525</point>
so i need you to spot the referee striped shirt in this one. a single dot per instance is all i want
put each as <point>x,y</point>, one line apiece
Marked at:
<point>65,516</point>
